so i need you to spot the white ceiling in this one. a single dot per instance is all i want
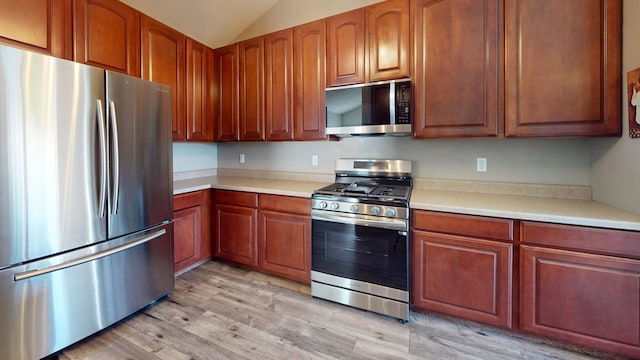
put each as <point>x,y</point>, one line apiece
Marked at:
<point>214,23</point>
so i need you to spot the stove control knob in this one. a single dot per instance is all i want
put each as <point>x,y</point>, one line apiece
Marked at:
<point>390,212</point>
<point>322,204</point>
<point>375,210</point>
<point>335,206</point>
<point>354,208</point>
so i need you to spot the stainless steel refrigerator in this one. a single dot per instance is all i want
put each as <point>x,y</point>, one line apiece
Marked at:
<point>85,200</point>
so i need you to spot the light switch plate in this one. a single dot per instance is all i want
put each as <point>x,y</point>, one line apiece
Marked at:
<point>241,158</point>
<point>314,160</point>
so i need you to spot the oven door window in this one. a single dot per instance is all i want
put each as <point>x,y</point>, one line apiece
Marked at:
<point>362,253</point>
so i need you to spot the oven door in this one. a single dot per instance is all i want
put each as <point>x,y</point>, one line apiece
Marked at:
<point>362,248</point>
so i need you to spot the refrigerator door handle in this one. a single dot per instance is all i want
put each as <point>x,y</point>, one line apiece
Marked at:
<point>49,269</point>
<point>102,134</point>
<point>116,158</point>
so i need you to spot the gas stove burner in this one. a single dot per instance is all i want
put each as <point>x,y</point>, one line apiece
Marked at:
<point>385,180</point>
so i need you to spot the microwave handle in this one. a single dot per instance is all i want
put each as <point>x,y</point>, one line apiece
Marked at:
<point>392,102</point>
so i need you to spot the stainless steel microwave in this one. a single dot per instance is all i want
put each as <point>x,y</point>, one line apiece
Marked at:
<point>381,108</point>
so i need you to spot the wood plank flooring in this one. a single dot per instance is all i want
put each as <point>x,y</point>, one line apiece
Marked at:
<point>219,311</point>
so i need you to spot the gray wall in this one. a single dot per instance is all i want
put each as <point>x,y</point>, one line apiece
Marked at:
<point>615,163</point>
<point>548,161</point>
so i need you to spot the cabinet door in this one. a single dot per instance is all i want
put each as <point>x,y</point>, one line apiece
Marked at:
<point>388,44</point>
<point>309,50</point>
<point>251,90</point>
<point>345,48</point>
<point>37,25</point>
<point>191,224</point>
<point>563,67</point>
<point>227,93</point>
<point>236,235</point>
<point>278,74</point>
<point>285,245</point>
<point>587,299</point>
<point>163,57</point>
<point>456,68</point>
<point>199,121</point>
<point>462,276</point>
<point>107,35</point>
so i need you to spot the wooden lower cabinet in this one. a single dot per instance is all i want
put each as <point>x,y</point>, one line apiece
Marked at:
<point>461,276</point>
<point>192,233</point>
<point>284,240</point>
<point>458,269</point>
<point>578,296</point>
<point>236,225</point>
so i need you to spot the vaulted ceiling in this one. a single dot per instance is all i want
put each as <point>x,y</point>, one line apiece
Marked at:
<point>213,22</point>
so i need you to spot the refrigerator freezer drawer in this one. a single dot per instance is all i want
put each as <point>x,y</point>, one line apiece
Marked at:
<point>52,303</point>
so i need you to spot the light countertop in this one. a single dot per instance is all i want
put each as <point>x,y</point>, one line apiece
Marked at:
<point>563,211</point>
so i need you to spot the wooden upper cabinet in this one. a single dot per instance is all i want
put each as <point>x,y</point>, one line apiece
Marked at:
<point>388,40</point>
<point>226,77</point>
<point>309,53</point>
<point>37,25</point>
<point>251,114</point>
<point>163,61</point>
<point>345,48</point>
<point>107,35</point>
<point>456,70</point>
<point>199,123</point>
<point>278,75</point>
<point>563,67</point>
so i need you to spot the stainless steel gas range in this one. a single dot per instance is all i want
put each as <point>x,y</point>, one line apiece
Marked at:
<point>360,236</point>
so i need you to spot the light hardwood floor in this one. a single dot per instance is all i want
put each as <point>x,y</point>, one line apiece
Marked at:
<point>219,311</point>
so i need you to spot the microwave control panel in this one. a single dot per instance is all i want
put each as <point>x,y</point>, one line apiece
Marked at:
<point>403,102</point>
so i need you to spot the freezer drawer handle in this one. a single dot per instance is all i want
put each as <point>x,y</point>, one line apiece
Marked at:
<point>37,272</point>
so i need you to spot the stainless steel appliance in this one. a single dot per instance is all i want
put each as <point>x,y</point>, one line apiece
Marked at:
<point>86,193</point>
<point>360,236</point>
<point>382,108</point>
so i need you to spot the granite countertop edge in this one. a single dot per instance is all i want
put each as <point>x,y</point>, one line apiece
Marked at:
<point>553,210</point>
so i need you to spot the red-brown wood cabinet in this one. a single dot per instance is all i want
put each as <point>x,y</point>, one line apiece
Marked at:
<point>284,236</point>
<point>236,227</point>
<point>43,26</point>
<point>163,61</point>
<point>107,35</point>
<point>563,68</point>
<point>582,285</point>
<point>200,93</point>
<point>463,265</point>
<point>457,68</point>
<point>251,88</point>
<point>192,229</point>
<point>278,77</point>
<point>309,53</point>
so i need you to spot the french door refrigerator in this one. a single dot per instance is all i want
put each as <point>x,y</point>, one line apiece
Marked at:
<point>85,200</point>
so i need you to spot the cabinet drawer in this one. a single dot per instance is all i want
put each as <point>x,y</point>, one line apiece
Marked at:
<point>286,204</point>
<point>237,198</point>
<point>598,240</point>
<point>467,225</point>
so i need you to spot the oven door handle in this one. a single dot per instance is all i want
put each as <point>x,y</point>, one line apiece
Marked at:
<point>391,224</point>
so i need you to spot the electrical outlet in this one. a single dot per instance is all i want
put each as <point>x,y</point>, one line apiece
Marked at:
<point>481,164</point>
<point>314,160</point>
<point>242,158</point>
